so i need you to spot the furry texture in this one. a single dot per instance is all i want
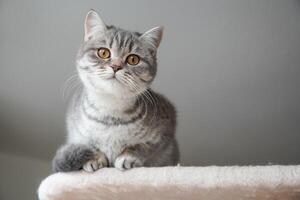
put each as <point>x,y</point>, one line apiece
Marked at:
<point>193,183</point>
<point>116,119</point>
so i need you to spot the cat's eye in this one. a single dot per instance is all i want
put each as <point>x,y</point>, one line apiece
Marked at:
<point>104,53</point>
<point>133,59</point>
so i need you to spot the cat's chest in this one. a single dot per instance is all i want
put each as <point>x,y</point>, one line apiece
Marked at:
<point>112,139</point>
<point>104,129</point>
<point>104,135</point>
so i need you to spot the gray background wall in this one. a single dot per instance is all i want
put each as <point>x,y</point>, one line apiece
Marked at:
<point>21,176</point>
<point>231,67</point>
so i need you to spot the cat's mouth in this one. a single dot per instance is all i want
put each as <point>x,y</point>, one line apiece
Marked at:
<point>114,78</point>
<point>110,76</point>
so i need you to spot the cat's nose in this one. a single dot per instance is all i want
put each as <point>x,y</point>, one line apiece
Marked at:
<point>116,67</point>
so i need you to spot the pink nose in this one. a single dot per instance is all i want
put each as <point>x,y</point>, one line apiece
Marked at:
<point>116,67</point>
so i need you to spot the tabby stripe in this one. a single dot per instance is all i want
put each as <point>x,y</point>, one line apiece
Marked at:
<point>91,105</point>
<point>116,38</point>
<point>121,41</point>
<point>84,67</point>
<point>88,50</point>
<point>133,108</point>
<point>111,42</point>
<point>112,121</point>
<point>146,61</point>
<point>126,42</point>
<point>131,45</point>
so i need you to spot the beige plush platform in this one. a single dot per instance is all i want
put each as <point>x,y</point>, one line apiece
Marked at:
<point>191,183</point>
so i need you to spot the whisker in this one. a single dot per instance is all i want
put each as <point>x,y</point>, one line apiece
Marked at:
<point>68,85</point>
<point>146,95</point>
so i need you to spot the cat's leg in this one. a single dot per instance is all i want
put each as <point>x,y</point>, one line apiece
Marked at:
<point>73,157</point>
<point>97,162</point>
<point>168,155</point>
<point>149,154</point>
<point>133,156</point>
<point>127,161</point>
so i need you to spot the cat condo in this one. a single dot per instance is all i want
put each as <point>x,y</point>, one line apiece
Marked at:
<point>171,183</point>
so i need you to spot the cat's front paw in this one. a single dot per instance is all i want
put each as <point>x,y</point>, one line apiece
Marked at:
<point>99,161</point>
<point>127,161</point>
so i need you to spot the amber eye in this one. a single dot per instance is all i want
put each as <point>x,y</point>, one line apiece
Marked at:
<point>104,53</point>
<point>133,59</point>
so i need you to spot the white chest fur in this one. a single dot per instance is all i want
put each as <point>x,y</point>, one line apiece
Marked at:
<point>110,139</point>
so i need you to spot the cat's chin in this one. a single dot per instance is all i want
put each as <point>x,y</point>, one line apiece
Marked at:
<point>110,85</point>
<point>114,87</point>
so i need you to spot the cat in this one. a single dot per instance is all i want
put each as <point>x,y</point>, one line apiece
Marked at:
<point>117,120</point>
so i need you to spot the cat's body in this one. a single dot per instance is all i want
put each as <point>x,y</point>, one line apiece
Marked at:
<point>118,121</point>
<point>113,129</point>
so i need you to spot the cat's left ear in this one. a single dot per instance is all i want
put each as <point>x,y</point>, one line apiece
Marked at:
<point>93,25</point>
<point>153,36</point>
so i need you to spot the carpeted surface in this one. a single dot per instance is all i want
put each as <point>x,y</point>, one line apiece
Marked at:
<point>191,183</point>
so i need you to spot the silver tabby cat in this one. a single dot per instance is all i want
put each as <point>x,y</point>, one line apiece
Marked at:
<point>117,120</point>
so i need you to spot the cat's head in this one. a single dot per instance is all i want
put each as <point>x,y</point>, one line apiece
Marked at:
<point>116,61</point>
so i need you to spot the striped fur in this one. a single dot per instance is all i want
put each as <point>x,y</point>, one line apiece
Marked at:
<point>116,114</point>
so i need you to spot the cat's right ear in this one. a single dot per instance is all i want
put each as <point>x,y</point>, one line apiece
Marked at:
<point>93,25</point>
